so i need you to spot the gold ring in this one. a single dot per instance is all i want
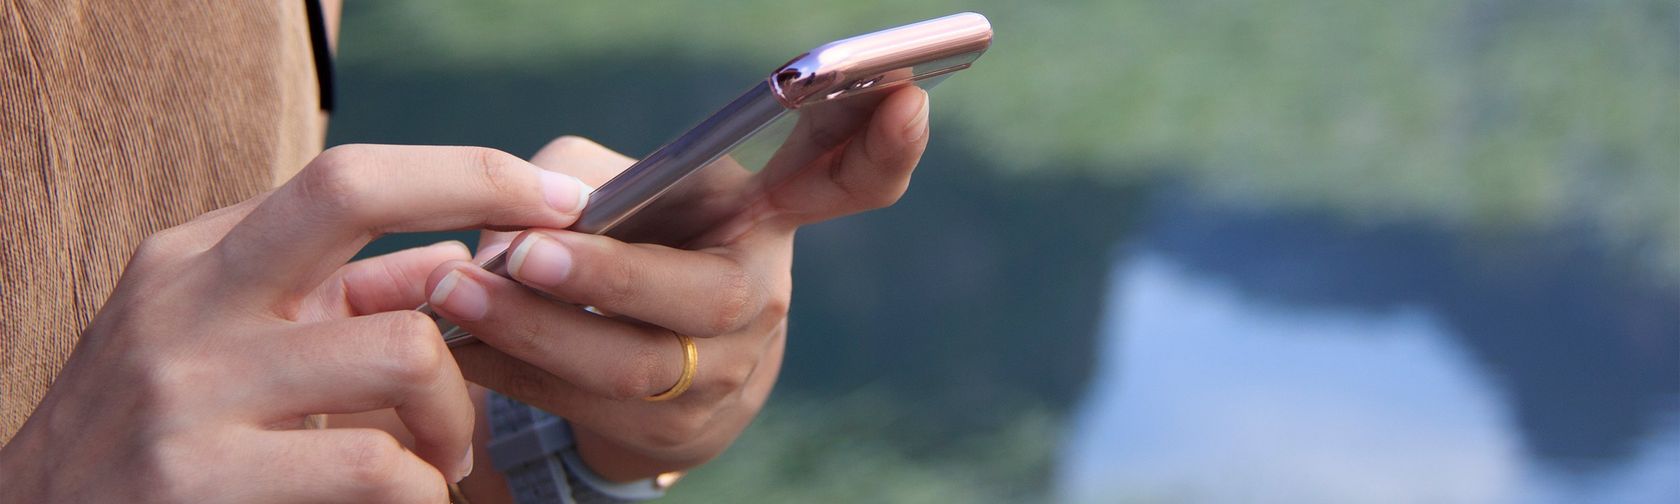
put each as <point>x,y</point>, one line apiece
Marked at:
<point>691,362</point>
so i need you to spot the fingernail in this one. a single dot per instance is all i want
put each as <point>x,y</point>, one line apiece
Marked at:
<point>918,126</point>
<point>540,261</point>
<point>467,464</point>
<point>564,192</point>
<point>460,296</point>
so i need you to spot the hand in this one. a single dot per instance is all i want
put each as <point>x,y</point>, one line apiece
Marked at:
<point>224,333</point>
<point>733,298</point>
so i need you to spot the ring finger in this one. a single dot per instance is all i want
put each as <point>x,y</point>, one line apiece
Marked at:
<point>609,357</point>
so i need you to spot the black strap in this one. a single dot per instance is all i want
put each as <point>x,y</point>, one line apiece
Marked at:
<point>318,43</point>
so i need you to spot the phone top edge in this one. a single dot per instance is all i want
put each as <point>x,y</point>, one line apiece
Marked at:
<point>882,59</point>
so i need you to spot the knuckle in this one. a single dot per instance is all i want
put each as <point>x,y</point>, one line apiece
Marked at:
<point>879,197</point>
<point>526,386</point>
<point>868,192</point>
<point>498,170</point>
<point>417,351</point>
<point>370,459</point>
<point>174,387</point>
<point>519,336</point>
<point>737,302</point>
<point>162,247</point>
<point>776,307</point>
<point>730,378</point>
<point>616,283</point>
<point>177,470</point>
<point>168,247</point>
<point>636,378</point>
<point>414,324</point>
<point>333,180</point>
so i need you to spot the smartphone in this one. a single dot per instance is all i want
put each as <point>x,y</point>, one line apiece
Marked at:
<point>693,190</point>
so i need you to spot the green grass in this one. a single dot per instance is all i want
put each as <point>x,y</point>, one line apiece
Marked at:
<point>813,450</point>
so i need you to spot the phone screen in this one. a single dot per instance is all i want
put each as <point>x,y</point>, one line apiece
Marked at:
<point>714,201</point>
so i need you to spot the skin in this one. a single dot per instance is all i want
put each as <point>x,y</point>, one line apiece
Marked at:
<point>224,333</point>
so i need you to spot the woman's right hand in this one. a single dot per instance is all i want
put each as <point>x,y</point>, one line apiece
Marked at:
<point>193,380</point>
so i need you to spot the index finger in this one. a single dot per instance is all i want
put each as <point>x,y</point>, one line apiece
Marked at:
<point>351,194</point>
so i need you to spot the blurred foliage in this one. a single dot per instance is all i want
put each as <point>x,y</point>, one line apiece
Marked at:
<point>801,450</point>
<point>1469,113</point>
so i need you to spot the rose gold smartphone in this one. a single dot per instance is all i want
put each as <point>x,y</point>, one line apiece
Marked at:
<point>694,190</point>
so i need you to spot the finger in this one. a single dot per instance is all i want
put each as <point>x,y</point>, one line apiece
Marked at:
<point>394,281</point>
<point>388,360</point>
<point>695,293</point>
<point>604,356</point>
<point>873,170</point>
<point>350,194</point>
<point>571,155</point>
<point>339,465</point>
<point>685,431</point>
<point>582,158</point>
<point>671,447</point>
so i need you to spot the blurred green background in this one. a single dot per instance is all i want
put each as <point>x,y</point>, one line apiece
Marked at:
<point>939,347</point>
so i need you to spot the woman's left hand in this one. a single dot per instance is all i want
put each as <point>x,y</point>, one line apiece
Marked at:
<point>732,299</point>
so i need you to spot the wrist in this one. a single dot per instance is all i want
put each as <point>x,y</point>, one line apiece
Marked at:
<point>617,463</point>
<point>537,453</point>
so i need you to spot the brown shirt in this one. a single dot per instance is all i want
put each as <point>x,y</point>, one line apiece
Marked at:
<point>120,119</point>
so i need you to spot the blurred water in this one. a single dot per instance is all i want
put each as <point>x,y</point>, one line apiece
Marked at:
<point>1280,358</point>
<point>1207,394</point>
